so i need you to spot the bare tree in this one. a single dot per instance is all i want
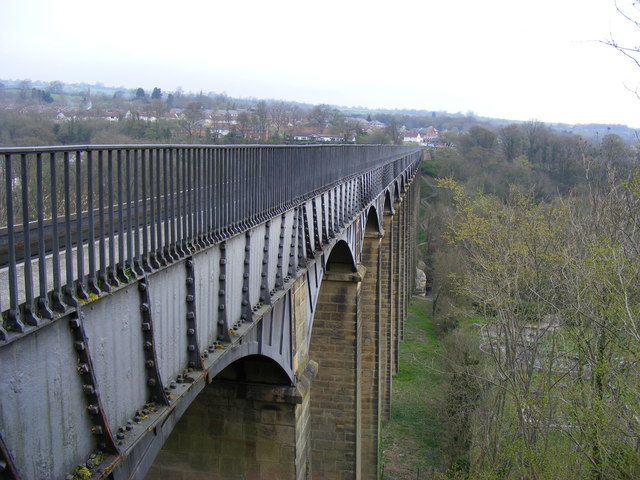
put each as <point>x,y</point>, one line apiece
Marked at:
<point>559,287</point>
<point>244,123</point>
<point>260,119</point>
<point>295,118</point>
<point>279,115</point>
<point>320,116</point>
<point>512,141</point>
<point>630,12</point>
<point>191,118</point>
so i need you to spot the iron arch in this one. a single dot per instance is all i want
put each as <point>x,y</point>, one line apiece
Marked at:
<point>388,203</point>
<point>396,192</point>
<point>341,258</point>
<point>255,368</point>
<point>373,221</point>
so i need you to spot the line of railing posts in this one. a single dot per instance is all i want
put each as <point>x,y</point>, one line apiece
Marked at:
<point>101,216</point>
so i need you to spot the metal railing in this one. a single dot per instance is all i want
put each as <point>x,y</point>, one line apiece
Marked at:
<point>80,220</point>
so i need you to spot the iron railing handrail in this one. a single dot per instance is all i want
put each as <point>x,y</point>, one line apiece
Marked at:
<point>150,205</point>
<point>95,147</point>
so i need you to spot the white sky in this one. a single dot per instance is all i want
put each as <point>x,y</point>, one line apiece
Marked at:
<point>499,58</point>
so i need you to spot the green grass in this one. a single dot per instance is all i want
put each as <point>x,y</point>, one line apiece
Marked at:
<point>430,167</point>
<point>471,323</point>
<point>411,440</point>
<point>426,190</point>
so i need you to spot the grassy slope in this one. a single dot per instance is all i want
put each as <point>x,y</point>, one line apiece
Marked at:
<point>411,440</point>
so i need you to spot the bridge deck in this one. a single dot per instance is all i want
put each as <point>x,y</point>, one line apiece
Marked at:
<point>188,258</point>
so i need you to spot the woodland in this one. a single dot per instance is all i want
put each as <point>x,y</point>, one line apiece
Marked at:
<point>534,237</point>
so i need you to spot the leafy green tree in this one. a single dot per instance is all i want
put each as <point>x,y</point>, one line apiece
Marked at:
<point>559,287</point>
<point>28,129</point>
<point>462,361</point>
<point>512,250</point>
<point>39,96</point>
<point>140,95</point>
<point>72,132</point>
<point>603,308</point>
<point>377,137</point>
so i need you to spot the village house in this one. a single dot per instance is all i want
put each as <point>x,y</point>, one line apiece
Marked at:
<point>421,136</point>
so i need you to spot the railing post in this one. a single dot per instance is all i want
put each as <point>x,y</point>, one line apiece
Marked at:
<point>131,233</point>
<point>159,195</point>
<point>43,302</point>
<point>103,281</point>
<point>56,295</point>
<point>13,320</point>
<point>154,261</point>
<point>92,279</point>
<point>111,273</point>
<point>80,290</point>
<point>69,292</point>
<point>28,316</point>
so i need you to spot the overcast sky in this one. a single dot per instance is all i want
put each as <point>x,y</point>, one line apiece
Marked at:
<point>498,58</point>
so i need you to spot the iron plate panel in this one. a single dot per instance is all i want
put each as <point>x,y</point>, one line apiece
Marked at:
<point>43,414</point>
<point>255,267</point>
<point>235,271</point>
<point>286,250</point>
<point>113,328</point>
<point>276,333</point>
<point>168,294</point>
<point>207,269</point>
<point>274,249</point>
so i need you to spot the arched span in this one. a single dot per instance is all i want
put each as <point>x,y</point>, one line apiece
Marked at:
<point>255,369</point>
<point>373,221</point>
<point>225,425</point>
<point>261,343</point>
<point>388,203</point>
<point>341,259</point>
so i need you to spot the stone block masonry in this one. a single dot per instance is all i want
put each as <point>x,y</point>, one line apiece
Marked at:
<point>336,346</point>
<point>239,431</point>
